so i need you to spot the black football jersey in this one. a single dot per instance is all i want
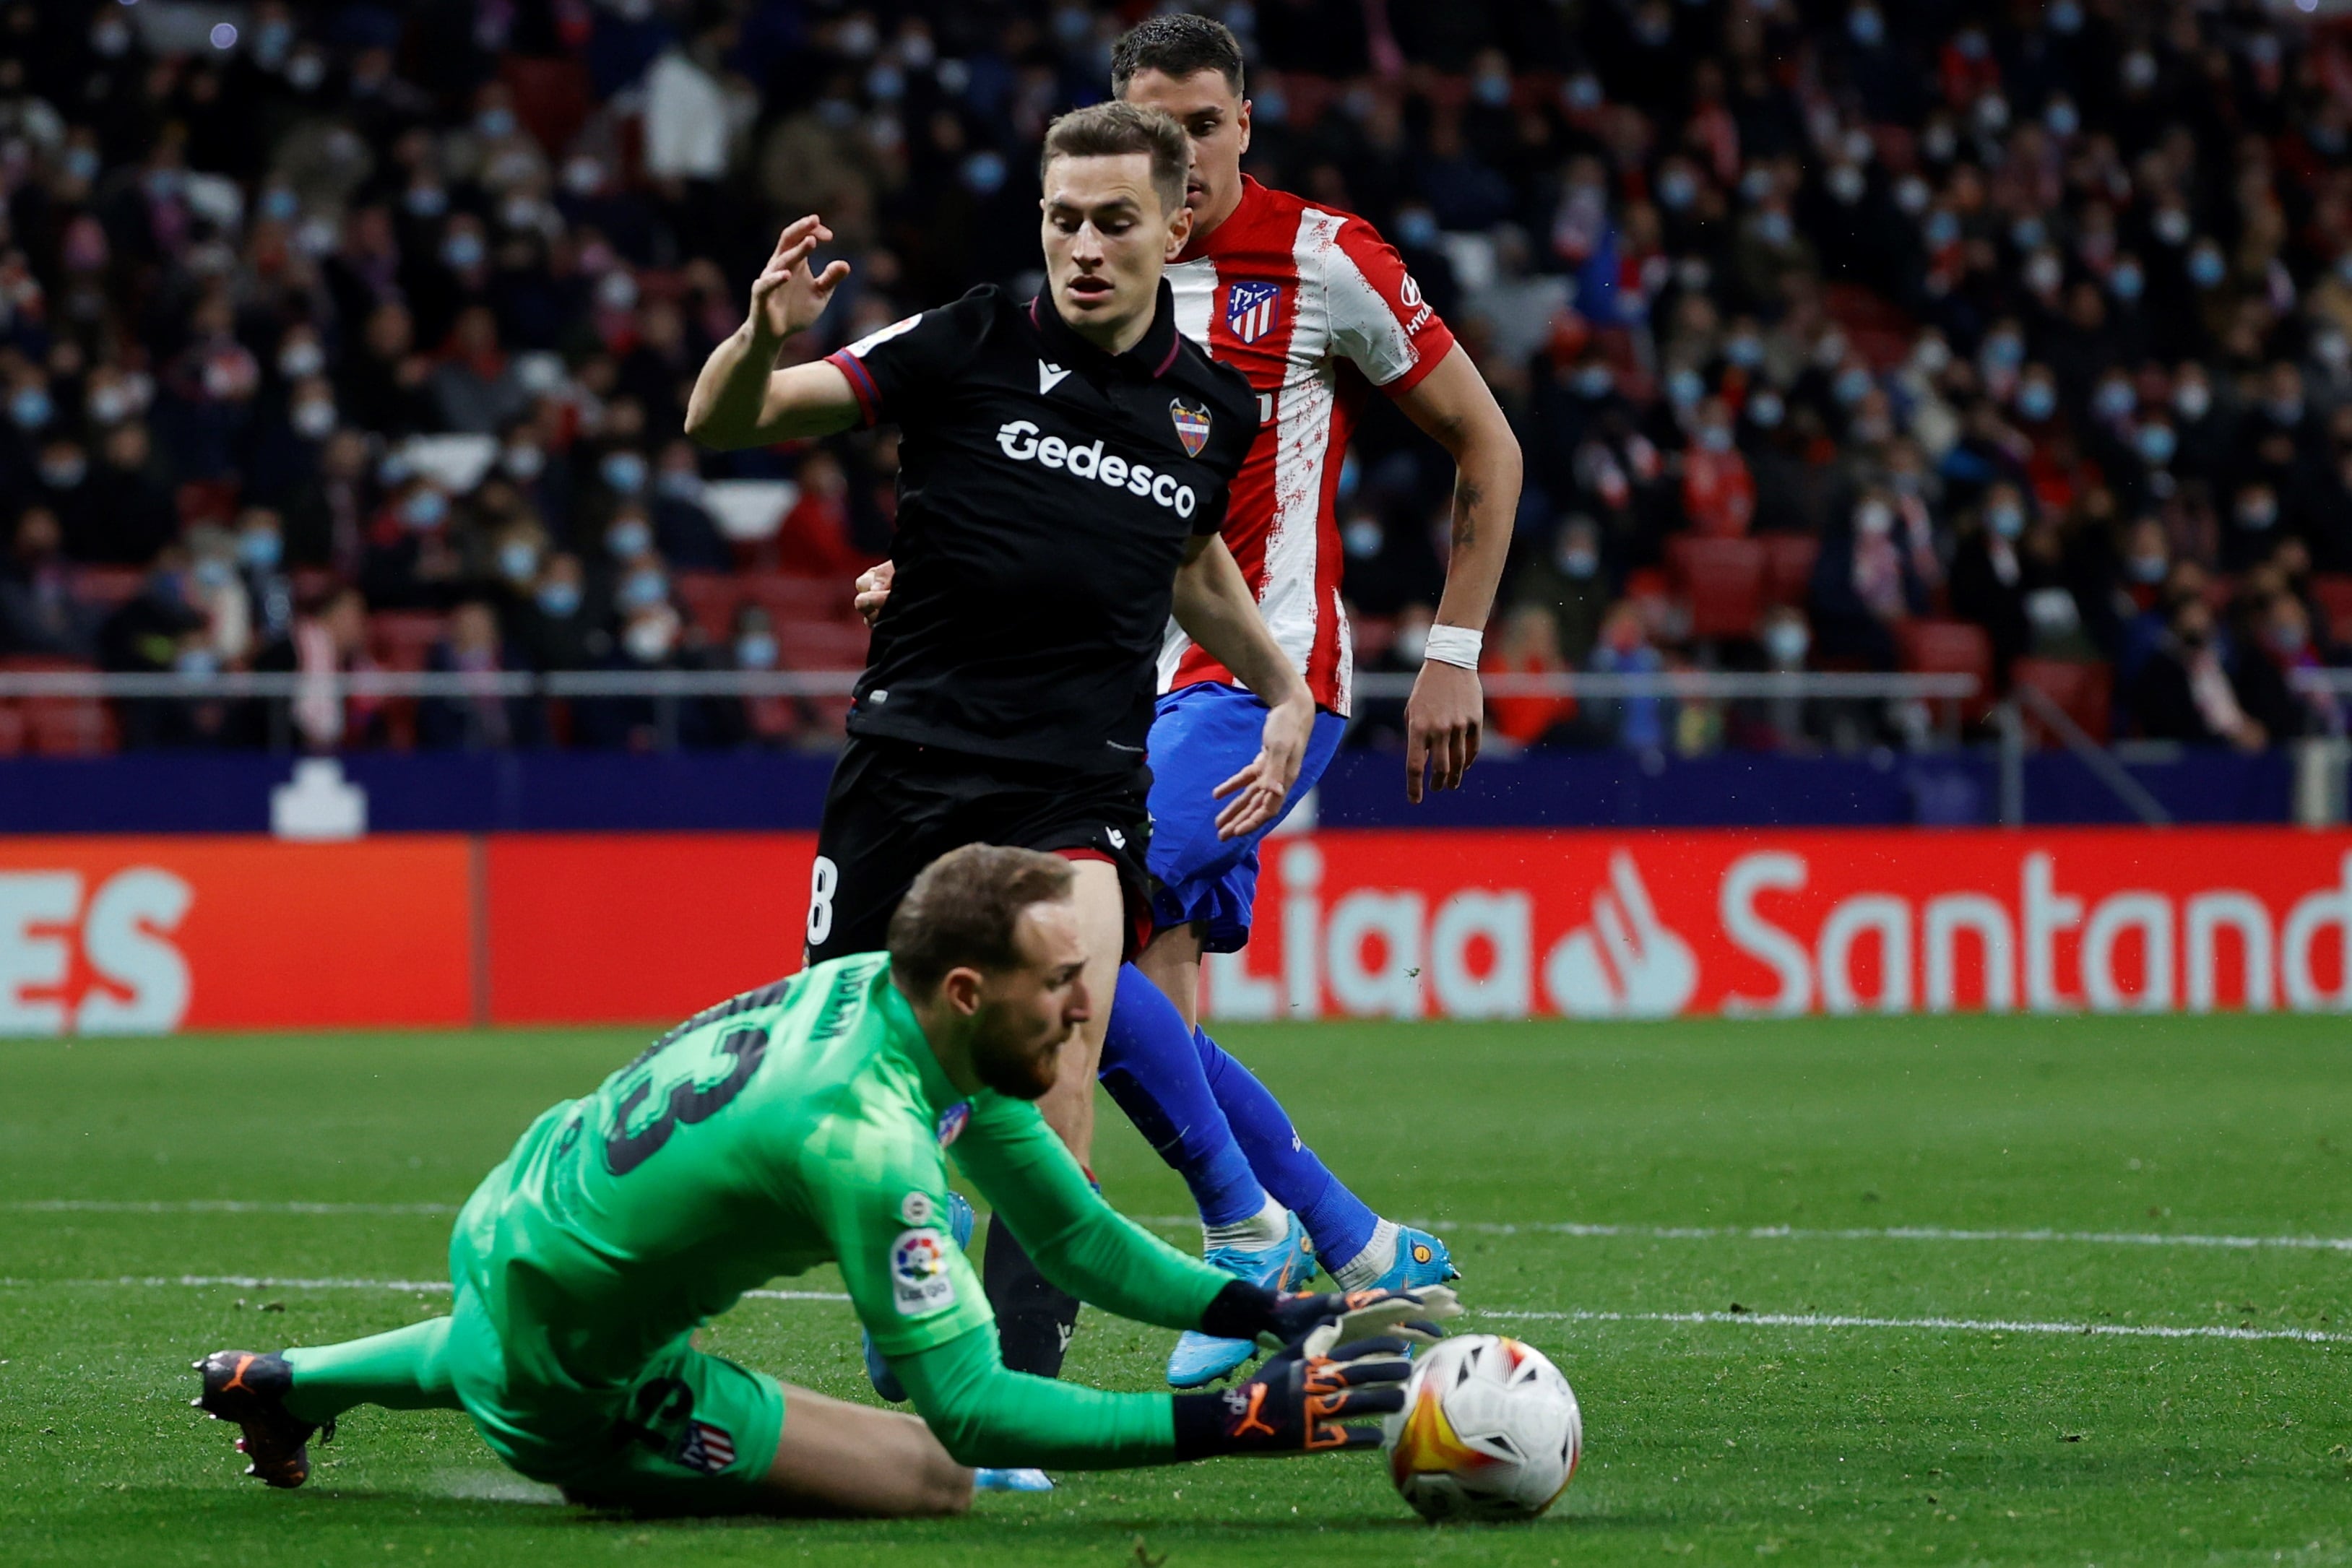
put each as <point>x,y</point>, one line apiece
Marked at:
<point>1046,492</point>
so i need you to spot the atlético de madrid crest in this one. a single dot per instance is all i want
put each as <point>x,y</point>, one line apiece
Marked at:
<point>1250,309</point>
<point>1191,425</point>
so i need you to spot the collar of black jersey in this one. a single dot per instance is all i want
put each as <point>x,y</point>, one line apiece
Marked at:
<point>1151,357</point>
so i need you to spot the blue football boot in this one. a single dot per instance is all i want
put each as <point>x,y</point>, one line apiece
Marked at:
<point>1199,1358</point>
<point>877,1371</point>
<point>1020,1480</point>
<point>1420,1260</point>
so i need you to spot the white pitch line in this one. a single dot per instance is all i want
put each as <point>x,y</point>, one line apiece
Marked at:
<point>1750,1320</point>
<point>218,1205</point>
<point>1961,1325</point>
<point>1481,1228</point>
<point>1897,1233</point>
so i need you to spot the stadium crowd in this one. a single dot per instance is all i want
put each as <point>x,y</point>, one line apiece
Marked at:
<point>2012,338</point>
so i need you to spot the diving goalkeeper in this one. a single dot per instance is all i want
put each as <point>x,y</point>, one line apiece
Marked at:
<point>798,1124</point>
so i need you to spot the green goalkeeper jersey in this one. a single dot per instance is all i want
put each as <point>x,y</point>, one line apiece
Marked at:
<point>803,1123</point>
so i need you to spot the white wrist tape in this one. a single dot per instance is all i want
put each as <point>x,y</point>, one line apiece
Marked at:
<point>1456,645</point>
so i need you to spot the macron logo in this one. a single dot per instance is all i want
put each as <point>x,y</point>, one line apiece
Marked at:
<point>1049,377</point>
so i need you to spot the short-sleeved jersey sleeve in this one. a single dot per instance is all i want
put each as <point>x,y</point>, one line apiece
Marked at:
<point>1379,320</point>
<point>897,369</point>
<point>880,1190</point>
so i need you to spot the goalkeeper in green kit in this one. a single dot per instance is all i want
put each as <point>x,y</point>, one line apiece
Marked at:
<point>803,1124</point>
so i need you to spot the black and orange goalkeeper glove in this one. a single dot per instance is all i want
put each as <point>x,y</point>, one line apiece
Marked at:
<point>1300,1401</point>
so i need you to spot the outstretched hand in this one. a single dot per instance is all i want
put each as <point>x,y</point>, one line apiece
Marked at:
<point>1300,1401</point>
<point>788,296</point>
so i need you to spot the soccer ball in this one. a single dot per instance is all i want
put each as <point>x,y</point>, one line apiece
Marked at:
<point>1489,1430</point>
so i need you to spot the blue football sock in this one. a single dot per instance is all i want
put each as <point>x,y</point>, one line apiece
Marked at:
<point>1335,1217</point>
<point>1154,1072</point>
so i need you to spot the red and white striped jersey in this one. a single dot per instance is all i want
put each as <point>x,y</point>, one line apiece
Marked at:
<point>1315,309</point>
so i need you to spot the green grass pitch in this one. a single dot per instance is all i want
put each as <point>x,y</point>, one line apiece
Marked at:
<point>1919,1221</point>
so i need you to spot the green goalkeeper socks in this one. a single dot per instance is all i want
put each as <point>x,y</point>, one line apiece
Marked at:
<point>406,1369</point>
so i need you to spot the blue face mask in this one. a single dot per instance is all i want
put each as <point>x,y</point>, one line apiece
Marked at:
<point>1417,228</point>
<point>1595,381</point>
<point>2128,282</point>
<point>2004,351</point>
<point>425,510</point>
<point>1773,228</point>
<point>680,484</point>
<point>1362,538</point>
<point>215,573</point>
<point>1852,386</point>
<point>624,472</point>
<point>1677,190</point>
<point>2066,17</point>
<point>1766,411</point>
<point>1942,229</point>
<point>282,203</point>
<point>2114,400</point>
<point>559,600</point>
<point>984,174</point>
<point>755,650</point>
<point>642,591</point>
<point>462,251</point>
<point>425,200</point>
<point>517,559</point>
<point>2206,267</point>
<point>1715,437</point>
<point>1685,388</point>
<point>1866,26</point>
<point>31,408</point>
<point>1745,351</point>
<point>496,124</point>
<point>2025,234</point>
<point>260,549</point>
<point>2037,401</point>
<point>629,540</point>
<point>2007,520</point>
<point>2156,444</point>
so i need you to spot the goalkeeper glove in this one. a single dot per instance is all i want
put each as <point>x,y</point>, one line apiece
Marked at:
<point>1299,1401</point>
<point>1245,1311</point>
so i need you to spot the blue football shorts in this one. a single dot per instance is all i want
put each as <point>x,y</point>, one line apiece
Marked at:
<point>1204,734</point>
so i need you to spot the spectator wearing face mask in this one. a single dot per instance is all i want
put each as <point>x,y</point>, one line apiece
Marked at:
<point>412,561</point>
<point>556,630</point>
<point>61,482</point>
<point>1987,580</point>
<point>160,631</point>
<point>2182,690</point>
<point>474,388</point>
<point>2250,528</point>
<point>1570,583</point>
<point>1779,723</point>
<point>1718,492</point>
<point>683,530</point>
<point>259,544</point>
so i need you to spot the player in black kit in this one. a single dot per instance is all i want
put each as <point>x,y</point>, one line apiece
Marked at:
<point>1062,477</point>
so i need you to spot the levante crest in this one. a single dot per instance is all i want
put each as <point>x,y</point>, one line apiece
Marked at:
<point>1191,425</point>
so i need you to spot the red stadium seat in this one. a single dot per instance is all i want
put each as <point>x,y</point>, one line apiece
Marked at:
<point>2333,591</point>
<point>105,587</point>
<point>550,96</point>
<point>709,598</point>
<point>794,597</point>
<point>2083,691</point>
<point>820,645</point>
<point>206,501</point>
<point>59,727</point>
<point>1789,566</point>
<point>1373,634</point>
<point>1722,579</point>
<point>1950,647</point>
<point>401,639</point>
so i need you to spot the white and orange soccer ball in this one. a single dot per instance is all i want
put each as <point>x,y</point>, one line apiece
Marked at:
<point>1489,1430</point>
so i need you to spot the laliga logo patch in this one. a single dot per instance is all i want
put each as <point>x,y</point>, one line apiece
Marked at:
<point>951,1122</point>
<point>1191,425</point>
<point>1250,310</point>
<point>919,1280</point>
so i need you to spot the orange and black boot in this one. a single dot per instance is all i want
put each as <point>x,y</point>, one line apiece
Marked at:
<point>249,1389</point>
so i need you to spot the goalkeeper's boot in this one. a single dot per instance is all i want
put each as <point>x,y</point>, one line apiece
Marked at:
<point>1021,1480</point>
<point>961,1221</point>
<point>1201,1358</point>
<point>250,1388</point>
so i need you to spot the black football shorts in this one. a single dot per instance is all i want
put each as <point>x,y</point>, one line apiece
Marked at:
<point>894,807</point>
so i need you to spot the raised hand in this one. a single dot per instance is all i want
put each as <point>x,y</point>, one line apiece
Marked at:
<point>788,296</point>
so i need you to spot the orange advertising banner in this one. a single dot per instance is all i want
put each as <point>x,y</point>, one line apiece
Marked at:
<point>153,934</point>
<point>147,936</point>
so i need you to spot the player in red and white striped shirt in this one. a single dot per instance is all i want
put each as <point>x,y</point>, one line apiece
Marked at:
<point>1317,310</point>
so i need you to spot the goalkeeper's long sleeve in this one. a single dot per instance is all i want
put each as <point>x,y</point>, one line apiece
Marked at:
<point>985,1415</point>
<point>1079,1242</point>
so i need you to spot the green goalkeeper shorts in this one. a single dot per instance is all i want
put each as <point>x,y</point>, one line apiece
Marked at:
<point>691,1433</point>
